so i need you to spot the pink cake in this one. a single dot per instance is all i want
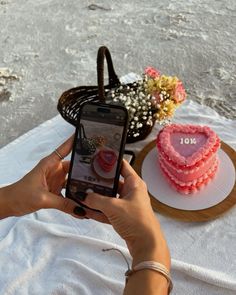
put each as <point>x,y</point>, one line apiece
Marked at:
<point>106,159</point>
<point>188,155</point>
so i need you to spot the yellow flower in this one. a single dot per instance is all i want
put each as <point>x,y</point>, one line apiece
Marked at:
<point>166,110</point>
<point>162,83</point>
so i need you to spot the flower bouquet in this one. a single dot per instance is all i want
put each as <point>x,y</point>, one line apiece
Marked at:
<point>155,97</point>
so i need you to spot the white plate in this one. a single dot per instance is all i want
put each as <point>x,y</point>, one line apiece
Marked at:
<point>106,175</point>
<point>4,184</point>
<point>210,195</point>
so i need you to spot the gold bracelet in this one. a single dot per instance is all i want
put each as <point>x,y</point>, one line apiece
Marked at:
<point>153,265</point>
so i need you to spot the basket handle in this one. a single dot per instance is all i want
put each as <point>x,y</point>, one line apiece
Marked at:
<point>82,131</point>
<point>113,79</point>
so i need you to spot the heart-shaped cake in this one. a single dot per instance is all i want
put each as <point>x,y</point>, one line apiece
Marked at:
<point>187,155</point>
<point>106,159</point>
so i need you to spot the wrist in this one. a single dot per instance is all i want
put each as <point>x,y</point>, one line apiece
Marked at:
<point>149,267</point>
<point>151,247</point>
<point>158,252</point>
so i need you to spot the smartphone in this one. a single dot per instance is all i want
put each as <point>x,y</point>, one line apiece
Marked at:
<point>98,150</point>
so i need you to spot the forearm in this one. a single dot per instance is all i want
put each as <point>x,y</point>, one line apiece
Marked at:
<point>147,281</point>
<point>6,209</point>
<point>155,249</point>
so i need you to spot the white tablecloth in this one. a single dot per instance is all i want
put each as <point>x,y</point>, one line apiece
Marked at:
<point>49,252</point>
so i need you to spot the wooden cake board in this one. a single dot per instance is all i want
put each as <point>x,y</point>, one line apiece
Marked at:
<point>190,215</point>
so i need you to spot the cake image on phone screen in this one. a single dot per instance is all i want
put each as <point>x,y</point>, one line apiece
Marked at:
<point>106,159</point>
<point>187,155</point>
<point>105,163</point>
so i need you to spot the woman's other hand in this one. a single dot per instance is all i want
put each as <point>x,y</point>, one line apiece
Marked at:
<point>132,217</point>
<point>41,187</point>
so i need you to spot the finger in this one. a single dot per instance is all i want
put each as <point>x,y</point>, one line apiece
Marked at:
<point>63,204</point>
<point>64,184</point>
<point>64,149</point>
<point>127,170</point>
<point>98,202</point>
<point>131,178</point>
<point>120,186</point>
<point>66,166</point>
<point>98,216</point>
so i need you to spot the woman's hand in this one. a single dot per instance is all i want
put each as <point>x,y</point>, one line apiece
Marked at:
<point>132,217</point>
<point>41,187</point>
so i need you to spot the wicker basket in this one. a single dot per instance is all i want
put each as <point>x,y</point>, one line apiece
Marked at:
<point>71,100</point>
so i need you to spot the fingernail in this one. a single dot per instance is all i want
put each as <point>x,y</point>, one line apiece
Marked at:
<point>81,196</point>
<point>79,211</point>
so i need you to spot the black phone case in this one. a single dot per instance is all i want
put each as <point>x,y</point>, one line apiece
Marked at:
<point>121,152</point>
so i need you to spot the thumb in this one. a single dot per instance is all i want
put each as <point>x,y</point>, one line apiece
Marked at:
<point>64,204</point>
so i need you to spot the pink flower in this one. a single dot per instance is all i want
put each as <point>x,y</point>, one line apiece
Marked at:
<point>156,94</point>
<point>179,93</point>
<point>151,72</point>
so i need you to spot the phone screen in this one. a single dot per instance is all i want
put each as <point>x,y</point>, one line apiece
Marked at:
<point>98,151</point>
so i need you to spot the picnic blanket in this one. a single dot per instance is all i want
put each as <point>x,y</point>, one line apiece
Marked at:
<point>49,252</point>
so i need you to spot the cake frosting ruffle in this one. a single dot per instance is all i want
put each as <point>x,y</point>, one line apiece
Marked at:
<point>188,155</point>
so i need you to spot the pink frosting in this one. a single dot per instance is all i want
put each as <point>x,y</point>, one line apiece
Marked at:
<point>190,187</point>
<point>187,155</point>
<point>177,140</point>
<point>169,143</point>
<point>189,175</point>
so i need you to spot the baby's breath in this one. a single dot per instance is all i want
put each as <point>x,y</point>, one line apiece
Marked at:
<point>152,98</point>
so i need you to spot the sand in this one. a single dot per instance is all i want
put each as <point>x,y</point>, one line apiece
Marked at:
<point>50,46</point>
